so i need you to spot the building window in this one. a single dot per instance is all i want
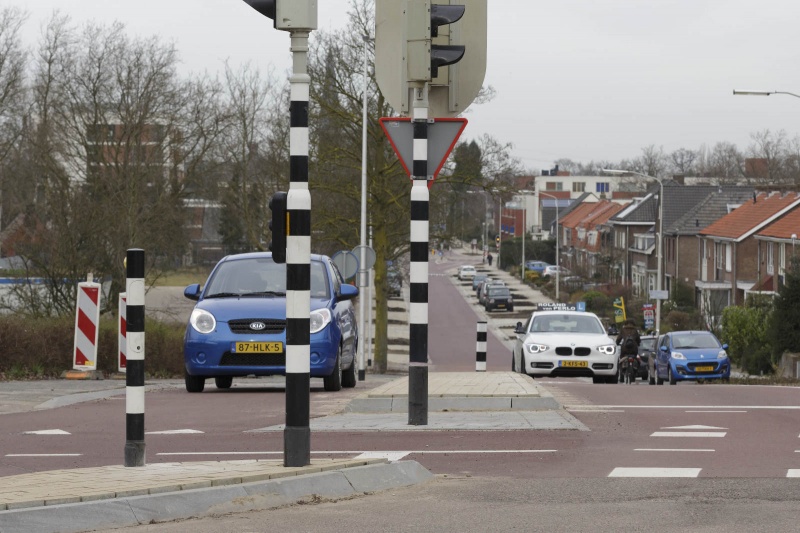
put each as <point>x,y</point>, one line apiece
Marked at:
<point>728,257</point>
<point>553,186</point>
<point>770,258</point>
<point>578,186</point>
<point>602,186</point>
<point>782,259</point>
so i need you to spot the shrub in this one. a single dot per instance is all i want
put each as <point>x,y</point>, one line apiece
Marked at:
<point>42,347</point>
<point>746,331</point>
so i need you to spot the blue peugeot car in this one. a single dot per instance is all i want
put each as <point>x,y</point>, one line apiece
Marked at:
<point>238,326</point>
<point>690,355</point>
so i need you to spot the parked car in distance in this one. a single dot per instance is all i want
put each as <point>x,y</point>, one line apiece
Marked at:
<point>477,279</point>
<point>536,266</point>
<point>394,279</point>
<point>550,270</point>
<point>485,288</point>
<point>647,348</point>
<point>238,325</point>
<point>690,355</point>
<point>565,343</point>
<point>466,272</point>
<point>498,297</point>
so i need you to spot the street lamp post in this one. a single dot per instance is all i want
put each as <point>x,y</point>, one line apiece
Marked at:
<point>362,260</point>
<point>558,260</point>
<point>660,243</point>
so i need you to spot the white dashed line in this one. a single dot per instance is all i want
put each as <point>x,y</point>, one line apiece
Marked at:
<point>48,432</point>
<point>44,454</point>
<point>673,450</point>
<point>175,432</point>
<point>689,434</point>
<point>655,472</point>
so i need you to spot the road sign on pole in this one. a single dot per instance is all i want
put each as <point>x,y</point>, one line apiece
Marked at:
<point>443,133</point>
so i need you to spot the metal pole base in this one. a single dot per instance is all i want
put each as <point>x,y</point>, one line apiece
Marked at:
<point>417,395</point>
<point>362,375</point>
<point>134,453</point>
<point>297,446</point>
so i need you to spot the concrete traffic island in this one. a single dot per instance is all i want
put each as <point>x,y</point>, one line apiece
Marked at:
<point>460,391</point>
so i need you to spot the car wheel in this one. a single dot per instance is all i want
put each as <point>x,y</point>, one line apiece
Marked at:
<point>671,376</point>
<point>194,383</point>
<point>349,375</point>
<point>613,379</point>
<point>511,309</point>
<point>223,382</point>
<point>598,379</point>
<point>333,382</point>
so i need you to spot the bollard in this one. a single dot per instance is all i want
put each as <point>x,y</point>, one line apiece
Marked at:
<point>122,333</point>
<point>134,371</point>
<point>480,348</point>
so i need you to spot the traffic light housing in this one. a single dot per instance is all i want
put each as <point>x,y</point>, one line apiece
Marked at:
<point>288,15</point>
<point>279,226</point>
<point>426,52</point>
<point>442,43</point>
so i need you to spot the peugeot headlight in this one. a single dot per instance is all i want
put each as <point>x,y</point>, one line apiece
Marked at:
<point>202,321</point>
<point>536,348</point>
<point>722,354</point>
<point>319,319</point>
<point>608,349</point>
<point>678,355</point>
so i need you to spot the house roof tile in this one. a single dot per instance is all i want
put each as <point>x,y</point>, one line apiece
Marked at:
<point>751,216</point>
<point>709,209</point>
<point>784,227</point>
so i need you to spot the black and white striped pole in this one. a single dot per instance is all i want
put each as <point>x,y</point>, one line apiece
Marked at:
<point>418,286</point>
<point>299,18</point>
<point>480,348</point>
<point>134,373</point>
<point>297,432</point>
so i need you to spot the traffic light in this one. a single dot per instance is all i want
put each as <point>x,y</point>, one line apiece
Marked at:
<point>288,15</point>
<point>441,43</point>
<point>279,226</point>
<point>426,52</point>
<point>497,240</point>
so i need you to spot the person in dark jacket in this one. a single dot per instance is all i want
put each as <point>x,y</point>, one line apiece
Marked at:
<point>629,331</point>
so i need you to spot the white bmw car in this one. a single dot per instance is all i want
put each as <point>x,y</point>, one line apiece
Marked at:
<point>565,343</point>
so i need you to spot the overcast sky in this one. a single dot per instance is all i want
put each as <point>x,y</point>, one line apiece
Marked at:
<point>579,79</point>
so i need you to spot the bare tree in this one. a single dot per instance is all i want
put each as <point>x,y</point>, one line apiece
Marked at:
<point>683,161</point>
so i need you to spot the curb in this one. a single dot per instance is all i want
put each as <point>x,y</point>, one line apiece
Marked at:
<point>256,496</point>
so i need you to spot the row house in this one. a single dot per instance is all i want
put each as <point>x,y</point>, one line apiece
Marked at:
<point>730,263</point>
<point>776,251</point>
<point>580,234</point>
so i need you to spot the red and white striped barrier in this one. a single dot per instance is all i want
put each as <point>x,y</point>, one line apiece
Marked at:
<point>87,320</point>
<point>123,331</point>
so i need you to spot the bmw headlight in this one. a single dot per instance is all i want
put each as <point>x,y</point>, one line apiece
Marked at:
<point>722,354</point>
<point>319,319</point>
<point>202,321</point>
<point>678,355</point>
<point>535,348</point>
<point>608,349</point>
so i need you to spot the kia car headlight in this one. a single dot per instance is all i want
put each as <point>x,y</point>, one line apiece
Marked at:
<point>319,319</point>
<point>608,349</point>
<point>536,348</point>
<point>202,321</point>
<point>722,354</point>
<point>678,355</point>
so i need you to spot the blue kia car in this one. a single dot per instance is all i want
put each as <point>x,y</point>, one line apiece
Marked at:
<point>238,326</point>
<point>690,355</point>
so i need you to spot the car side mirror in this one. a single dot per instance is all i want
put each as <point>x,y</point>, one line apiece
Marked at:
<point>192,291</point>
<point>663,349</point>
<point>347,292</point>
<point>724,346</point>
<point>518,328</point>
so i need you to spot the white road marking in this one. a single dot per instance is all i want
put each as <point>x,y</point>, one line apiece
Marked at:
<point>361,452</point>
<point>716,411</point>
<point>793,472</point>
<point>692,427</point>
<point>174,432</point>
<point>596,410</point>
<point>726,407</point>
<point>391,456</point>
<point>655,472</point>
<point>48,432</point>
<point>43,454</point>
<point>673,450</point>
<point>689,434</point>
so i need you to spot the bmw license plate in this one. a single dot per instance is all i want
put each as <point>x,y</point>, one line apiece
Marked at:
<point>258,347</point>
<point>578,364</point>
<point>704,369</point>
